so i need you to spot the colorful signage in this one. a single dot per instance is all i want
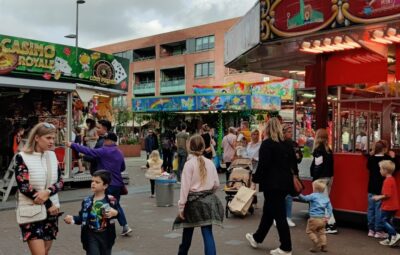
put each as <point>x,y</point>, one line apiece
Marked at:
<point>206,103</point>
<point>288,18</point>
<point>19,56</point>
<point>229,88</point>
<point>367,11</point>
<point>223,102</point>
<point>264,102</point>
<point>283,88</point>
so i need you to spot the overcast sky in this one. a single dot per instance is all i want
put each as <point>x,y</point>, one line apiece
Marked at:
<point>107,21</point>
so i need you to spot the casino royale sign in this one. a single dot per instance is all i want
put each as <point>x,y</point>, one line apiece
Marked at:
<point>30,54</point>
<point>19,56</point>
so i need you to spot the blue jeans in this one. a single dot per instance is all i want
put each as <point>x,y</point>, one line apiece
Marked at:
<point>387,217</point>
<point>115,191</point>
<point>289,203</point>
<point>208,240</point>
<point>374,215</point>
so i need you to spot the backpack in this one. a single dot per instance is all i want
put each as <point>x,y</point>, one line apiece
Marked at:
<point>166,143</point>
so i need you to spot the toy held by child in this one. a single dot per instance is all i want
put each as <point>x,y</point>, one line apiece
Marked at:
<point>96,217</point>
<point>320,211</point>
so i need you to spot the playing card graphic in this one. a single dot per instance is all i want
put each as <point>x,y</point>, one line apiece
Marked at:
<point>120,73</point>
<point>61,65</point>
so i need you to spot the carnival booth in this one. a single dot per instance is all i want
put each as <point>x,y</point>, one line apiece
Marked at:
<point>347,53</point>
<point>42,81</point>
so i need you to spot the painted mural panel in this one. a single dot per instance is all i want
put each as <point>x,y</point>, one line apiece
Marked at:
<point>264,102</point>
<point>223,102</point>
<point>367,11</point>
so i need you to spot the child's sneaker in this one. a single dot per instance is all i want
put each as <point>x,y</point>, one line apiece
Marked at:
<point>314,249</point>
<point>323,248</point>
<point>395,240</point>
<point>331,229</point>
<point>381,235</point>
<point>371,233</point>
<point>385,242</point>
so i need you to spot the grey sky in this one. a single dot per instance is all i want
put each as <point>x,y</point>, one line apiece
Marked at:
<point>107,21</point>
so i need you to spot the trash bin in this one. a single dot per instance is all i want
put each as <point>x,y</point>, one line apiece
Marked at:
<point>165,191</point>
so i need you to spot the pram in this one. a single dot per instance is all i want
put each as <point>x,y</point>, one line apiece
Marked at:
<point>240,175</point>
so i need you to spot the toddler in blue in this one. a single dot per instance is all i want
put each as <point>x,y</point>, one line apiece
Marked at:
<point>320,212</point>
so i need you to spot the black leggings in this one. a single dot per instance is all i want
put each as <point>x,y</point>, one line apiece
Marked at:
<point>152,184</point>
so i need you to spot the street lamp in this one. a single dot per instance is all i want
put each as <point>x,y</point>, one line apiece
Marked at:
<point>75,36</point>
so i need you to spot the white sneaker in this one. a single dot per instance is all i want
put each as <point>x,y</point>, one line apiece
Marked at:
<point>290,222</point>
<point>395,240</point>
<point>385,242</point>
<point>274,223</point>
<point>278,251</point>
<point>251,240</point>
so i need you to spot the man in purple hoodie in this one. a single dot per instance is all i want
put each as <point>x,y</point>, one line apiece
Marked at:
<point>109,157</point>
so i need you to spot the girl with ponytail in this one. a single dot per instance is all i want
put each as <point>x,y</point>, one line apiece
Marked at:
<point>198,205</point>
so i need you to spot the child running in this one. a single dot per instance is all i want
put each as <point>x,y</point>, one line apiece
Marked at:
<point>96,217</point>
<point>320,212</point>
<point>390,202</point>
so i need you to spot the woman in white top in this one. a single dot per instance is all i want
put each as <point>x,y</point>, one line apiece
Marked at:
<point>91,134</point>
<point>198,205</point>
<point>253,148</point>
<point>31,174</point>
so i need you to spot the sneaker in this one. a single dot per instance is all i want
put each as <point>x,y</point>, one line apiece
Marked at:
<point>126,230</point>
<point>323,248</point>
<point>381,235</point>
<point>385,242</point>
<point>251,240</point>
<point>278,251</point>
<point>290,222</point>
<point>315,249</point>
<point>395,240</point>
<point>152,196</point>
<point>371,233</point>
<point>331,229</point>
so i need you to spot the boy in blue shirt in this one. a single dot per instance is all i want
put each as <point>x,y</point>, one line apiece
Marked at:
<point>96,217</point>
<point>320,212</point>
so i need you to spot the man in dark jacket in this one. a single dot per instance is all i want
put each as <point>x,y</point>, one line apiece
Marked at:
<point>150,142</point>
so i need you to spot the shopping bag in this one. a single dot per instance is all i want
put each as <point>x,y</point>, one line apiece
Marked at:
<point>241,203</point>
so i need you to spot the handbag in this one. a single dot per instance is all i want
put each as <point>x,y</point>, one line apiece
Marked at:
<point>298,186</point>
<point>29,212</point>
<point>241,203</point>
<point>124,191</point>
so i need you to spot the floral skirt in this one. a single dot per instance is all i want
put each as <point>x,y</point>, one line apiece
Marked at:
<point>46,229</point>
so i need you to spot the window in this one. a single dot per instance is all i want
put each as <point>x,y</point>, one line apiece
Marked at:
<point>204,69</point>
<point>205,43</point>
<point>126,54</point>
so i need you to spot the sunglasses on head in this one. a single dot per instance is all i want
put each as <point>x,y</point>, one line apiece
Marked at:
<point>48,125</point>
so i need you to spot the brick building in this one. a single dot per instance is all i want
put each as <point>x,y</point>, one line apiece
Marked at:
<point>171,63</point>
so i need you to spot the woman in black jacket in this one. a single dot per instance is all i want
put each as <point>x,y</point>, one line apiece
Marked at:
<point>322,169</point>
<point>274,174</point>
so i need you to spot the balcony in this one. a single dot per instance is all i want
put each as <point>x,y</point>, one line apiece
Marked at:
<point>144,88</point>
<point>173,86</point>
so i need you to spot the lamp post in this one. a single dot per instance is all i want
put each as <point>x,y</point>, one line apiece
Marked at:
<point>75,36</point>
<point>68,155</point>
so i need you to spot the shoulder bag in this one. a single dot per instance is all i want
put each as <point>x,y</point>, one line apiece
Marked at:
<point>27,210</point>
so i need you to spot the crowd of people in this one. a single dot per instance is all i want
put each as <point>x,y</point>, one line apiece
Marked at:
<point>274,157</point>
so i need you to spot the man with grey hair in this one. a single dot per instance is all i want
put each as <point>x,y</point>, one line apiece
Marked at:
<point>229,147</point>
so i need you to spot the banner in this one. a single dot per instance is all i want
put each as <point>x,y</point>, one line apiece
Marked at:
<point>49,61</point>
<point>223,102</point>
<point>229,88</point>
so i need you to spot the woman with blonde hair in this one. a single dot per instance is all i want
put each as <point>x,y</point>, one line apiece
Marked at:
<point>198,205</point>
<point>275,177</point>
<point>154,169</point>
<point>39,179</point>
<point>322,169</point>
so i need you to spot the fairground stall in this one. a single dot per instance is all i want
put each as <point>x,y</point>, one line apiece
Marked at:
<point>42,81</point>
<point>346,52</point>
<point>223,101</point>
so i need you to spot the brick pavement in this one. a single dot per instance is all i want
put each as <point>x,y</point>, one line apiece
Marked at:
<point>153,235</point>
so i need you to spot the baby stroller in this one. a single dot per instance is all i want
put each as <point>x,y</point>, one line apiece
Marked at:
<point>240,175</point>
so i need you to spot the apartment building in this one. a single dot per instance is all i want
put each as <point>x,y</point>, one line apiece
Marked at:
<point>171,63</point>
